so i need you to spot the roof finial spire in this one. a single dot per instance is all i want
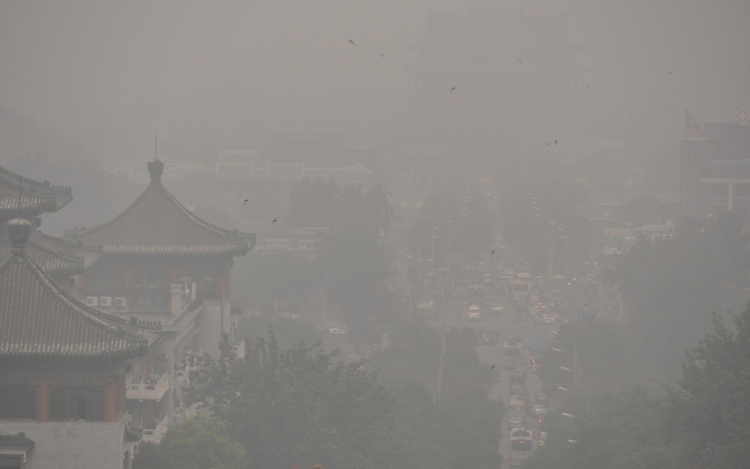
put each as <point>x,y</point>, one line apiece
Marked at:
<point>19,230</point>
<point>20,191</point>
<point>155,167</point>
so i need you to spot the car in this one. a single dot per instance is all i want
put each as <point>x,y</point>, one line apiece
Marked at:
<point>515,422</point>
<point>516,389</point>
<point>337,331</point>
<point>474,313</point>
<point>540,409</point>
<point>497,308</point>
<point>542,437</point>
<point>549,318</point>
<point>541,399</point>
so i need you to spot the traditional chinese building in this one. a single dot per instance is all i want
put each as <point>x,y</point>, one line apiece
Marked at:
<point>63,371</point>
<point>24,198</point>
<point>160,262</point>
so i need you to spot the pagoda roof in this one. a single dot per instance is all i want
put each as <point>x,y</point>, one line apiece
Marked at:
<point>41,320</point>
<point>55,256</point>
<point>157,223</point>
<point>37,197</point>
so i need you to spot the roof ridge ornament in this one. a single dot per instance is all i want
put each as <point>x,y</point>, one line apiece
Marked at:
<point>19,230</point>
<point>155,166</point>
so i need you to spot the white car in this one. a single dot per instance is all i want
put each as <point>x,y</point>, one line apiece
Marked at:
<point>540,409</point>
<point>549,318</point>
<point>515,422</point>
<point>474,313</point>
<point>337,331</point>
<point>497,308</point>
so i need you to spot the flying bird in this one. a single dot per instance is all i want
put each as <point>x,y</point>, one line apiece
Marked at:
<point>493,367</point>
<point>454,88</point>
<point>352,42</point>
<point>492,252</point>
<point>245,201</point>
<point>381,55</point>
<point>274,220</point>
<point>519,61</point>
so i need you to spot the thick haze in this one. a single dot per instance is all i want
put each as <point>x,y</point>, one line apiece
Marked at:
<point>105,73</point>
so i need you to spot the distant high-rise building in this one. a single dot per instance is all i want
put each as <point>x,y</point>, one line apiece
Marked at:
<point>715,167</point>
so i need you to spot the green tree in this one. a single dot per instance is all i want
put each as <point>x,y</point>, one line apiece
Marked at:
<point>324,203</point>
<point>670,285</point>
<point>300,406</point>
<point>354,267</point>
<point>709,410</point>
<point>273,283</point>
<point>201,443</point>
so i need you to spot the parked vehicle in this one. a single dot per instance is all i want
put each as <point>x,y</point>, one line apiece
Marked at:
<point>497,308</point>
<point>474,313</point>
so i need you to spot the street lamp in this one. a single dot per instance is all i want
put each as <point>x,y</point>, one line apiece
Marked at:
<point>575,355</point>
<point>587,397</point>
<point>577,418</point>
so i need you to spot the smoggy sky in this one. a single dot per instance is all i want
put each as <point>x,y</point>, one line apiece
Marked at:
<point>231,71</point>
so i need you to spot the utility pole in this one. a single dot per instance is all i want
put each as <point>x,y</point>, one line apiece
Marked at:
<point>436,396</point>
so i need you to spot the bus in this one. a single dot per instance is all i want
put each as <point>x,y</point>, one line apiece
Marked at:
<point>521,446</point>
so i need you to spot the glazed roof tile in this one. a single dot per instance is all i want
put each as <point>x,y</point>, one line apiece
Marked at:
<point>55,256</point>
<point>18,441</point>
<point>41,320</point>
<point>157,223</point>
<point>36,197</point>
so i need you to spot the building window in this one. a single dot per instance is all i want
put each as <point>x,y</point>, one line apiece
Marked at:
<point>18,402</point>
<point>151,301</point>
<point>76,403</point>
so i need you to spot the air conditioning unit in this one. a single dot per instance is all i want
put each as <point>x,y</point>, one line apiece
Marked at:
<point>121,302</point>
<point>92,301</point>
<point>105,301</point>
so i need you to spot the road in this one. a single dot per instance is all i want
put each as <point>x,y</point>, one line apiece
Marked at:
<point>508,324</point>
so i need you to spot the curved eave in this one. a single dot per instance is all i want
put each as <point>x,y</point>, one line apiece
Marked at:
<point>62,355</point>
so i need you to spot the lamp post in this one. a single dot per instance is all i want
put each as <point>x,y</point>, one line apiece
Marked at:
<point>449,223</point>
<point>587,396</point>
<point>575,356</point>
<point>577,418</point>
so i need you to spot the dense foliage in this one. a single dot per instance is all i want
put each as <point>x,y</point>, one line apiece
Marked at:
<point>463,429</point>
<point>321,202</point>
<point>671,285</point>
<point>301,406</point>
<point>197,443</point>
<point>701,423</point>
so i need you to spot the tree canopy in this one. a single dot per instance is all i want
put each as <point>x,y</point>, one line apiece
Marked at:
<point>671,285</point>
<point>301,406</point>
<point>322,202</point>
<point>700,423</point>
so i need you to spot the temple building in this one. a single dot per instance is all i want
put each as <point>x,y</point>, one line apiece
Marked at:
<point>63,370</point>
<point>24,198</point>
<point>162,263</point>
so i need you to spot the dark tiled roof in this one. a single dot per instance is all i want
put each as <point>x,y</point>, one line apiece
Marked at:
<point>54,256</point>
<point>18,441</point>
<point>36,197</point>
<point>157,223</point>
<point>133,434</point>
<point>41,320</point>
